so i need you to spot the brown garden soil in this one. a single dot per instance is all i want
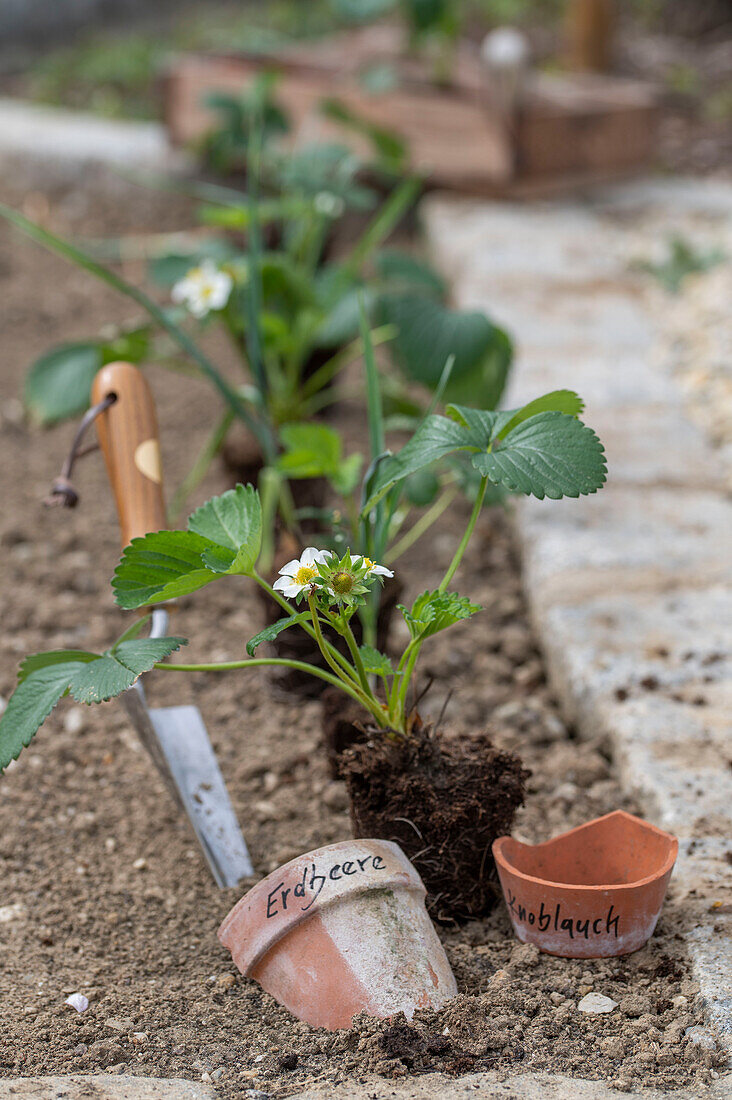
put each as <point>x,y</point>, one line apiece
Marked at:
<point>103,890</point>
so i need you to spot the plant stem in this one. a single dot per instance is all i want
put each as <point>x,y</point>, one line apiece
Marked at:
<point>353,648</point>
<point>259,662</point>
<point>452,568</point>
<point>323,645</point>
<point>423,524</point>
<point>306,626</point>
<point>404,685</point>
<point>332,366</point>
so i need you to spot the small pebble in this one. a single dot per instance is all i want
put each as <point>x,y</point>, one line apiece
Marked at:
<point>10,913</point>
<point>75,721</point>
<point>596,1002</point>
<point>140,864</point>
<point>77,1001</point>
<point>226,981</point>
<point>335,796</point>
<point>120,1023</point>
<point>701,1037</point>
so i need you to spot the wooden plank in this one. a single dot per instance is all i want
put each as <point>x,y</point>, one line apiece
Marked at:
<point>575,126</point>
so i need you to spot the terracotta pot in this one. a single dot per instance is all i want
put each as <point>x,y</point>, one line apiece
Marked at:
<point>593,892</point>
<point>339,931</point>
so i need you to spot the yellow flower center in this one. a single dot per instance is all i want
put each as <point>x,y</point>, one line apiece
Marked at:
<point>369,564</point>
<point>342,583</point>
<point>305,574</point>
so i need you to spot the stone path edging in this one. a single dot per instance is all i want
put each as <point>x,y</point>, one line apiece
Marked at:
<point>631,589</point>
<point>489,1086</point>
<point>59,141</point>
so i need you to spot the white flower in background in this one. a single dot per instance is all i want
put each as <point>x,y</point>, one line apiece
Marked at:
<point>328,204</point>
<point>203,288</point>
<point>299,574</point>
<point>374,570</point>
<point>77,1001</point>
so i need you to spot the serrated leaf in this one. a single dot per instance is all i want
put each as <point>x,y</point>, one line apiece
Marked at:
<point>115,671</point>
<point>161,566</point>
<point>52,657</point>
<point>566,401</point>
<point>435,611</point>
<point>375,663</point>
<point>219,559</point>
<point>436,437</point>
<point>90,677</point>
<point>549,455</point>
<point>270,632</point>
<point>58,384</point>
<point>232,520</point>
<point>30,705</point>
<point>480,424</point>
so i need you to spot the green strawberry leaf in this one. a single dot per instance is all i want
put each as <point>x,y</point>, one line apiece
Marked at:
<point>53,657</point>
<point>161,566</point>
<point>436,437</point>
<point>44,678</point>
<point>428,333</point>
<point>548,455</point>
<point>375,663</point>
<point>270,632</point>
<point>59,383</point>
<point>30,705</point>
<point>233,520</point>
<point>540,449</point>
<point>435,611</point>
<point>116,670</point>
<point>566,401</point>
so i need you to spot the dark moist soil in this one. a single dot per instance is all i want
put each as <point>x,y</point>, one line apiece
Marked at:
<point>104,892</point>
<point>444,801</point>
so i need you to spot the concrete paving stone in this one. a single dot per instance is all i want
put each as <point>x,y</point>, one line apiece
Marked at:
<point>492,1086</point>
<point>654,445</point>
<point>103,1087</point>
<point>577,326</point>
<point>586,371</point>
<point>629,539</point>
<point>503,240</point>
<point>621,647</point>
<point>52,134</point>
<point>671,196</point>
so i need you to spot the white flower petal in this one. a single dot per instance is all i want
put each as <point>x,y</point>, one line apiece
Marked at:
<point>381,571</point>
<point>311,555</point>
<point>292,590</point>
<point>290,569</point>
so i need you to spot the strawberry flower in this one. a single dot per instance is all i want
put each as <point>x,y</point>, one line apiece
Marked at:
<point>298,575</point>
<point>203,288</point>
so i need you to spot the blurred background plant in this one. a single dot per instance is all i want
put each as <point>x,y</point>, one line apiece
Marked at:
<point>114,72</point>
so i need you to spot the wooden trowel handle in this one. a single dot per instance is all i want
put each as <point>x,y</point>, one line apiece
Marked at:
<point>128,437</point>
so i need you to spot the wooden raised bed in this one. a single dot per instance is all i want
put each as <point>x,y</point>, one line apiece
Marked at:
<point>571,128</point>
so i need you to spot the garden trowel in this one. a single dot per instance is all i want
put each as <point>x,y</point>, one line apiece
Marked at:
<point>175,737</point>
